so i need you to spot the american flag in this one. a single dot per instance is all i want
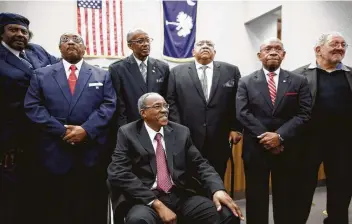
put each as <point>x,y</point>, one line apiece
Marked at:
<point>100,25</point>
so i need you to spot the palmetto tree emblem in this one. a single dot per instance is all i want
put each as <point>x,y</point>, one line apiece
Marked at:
<point>184,24</point>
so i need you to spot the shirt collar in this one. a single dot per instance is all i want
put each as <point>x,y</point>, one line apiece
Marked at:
<point>67,65</point>
<point>198,65</point>
<point>139,61</point>
<point>339,66</point>
<point>152,133</point>
<point>13,51</point>
<point>277,72</point>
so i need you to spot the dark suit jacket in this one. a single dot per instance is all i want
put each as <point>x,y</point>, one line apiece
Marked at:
<point>50,105</point>
<point>311,75</point>
<point>133,166</point>
<point>14,81</point>
<point>255,111</point>
<point>212,120</point>
<point>129,85</point>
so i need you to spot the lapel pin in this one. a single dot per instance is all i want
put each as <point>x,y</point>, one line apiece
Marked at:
<point>97,87</point>
<point>284,80</point>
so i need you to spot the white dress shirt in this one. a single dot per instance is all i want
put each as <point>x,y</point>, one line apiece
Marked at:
<point>68,70</point>
<point>208,72</point>
<point>276,77</point>
<point>139,61</point>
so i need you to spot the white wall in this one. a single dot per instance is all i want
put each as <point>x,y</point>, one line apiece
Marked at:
<point>221,21</point>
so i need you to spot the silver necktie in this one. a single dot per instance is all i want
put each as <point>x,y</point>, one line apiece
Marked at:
<point>204,82</point>
<point>143,69</point>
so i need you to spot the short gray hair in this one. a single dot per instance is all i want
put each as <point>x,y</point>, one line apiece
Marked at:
<point>271,39</point>
<point>132,32</point>
<point>143,98</point>
<point>323,38</point>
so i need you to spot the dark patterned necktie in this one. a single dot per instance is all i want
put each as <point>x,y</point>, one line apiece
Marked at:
<point>143,69</point>
<point>163,176</point>
<point>25,60</point>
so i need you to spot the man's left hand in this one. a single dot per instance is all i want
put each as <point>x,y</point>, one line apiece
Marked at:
<point>221,197</point>
<point>235,137</point>
<point>269,139</point>
<point>76,135</point>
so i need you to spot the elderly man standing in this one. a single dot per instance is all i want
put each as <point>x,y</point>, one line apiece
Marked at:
<point>330,84</point>
<point>202,97</point>
<point>273,105</point>
<point>18,59</point>
<point>72,103</point>
<point>136,75</point>
<point>154,164</point>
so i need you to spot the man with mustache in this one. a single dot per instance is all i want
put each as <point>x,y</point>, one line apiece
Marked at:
<point>327,137</point>
<point>135,75</point>
<point>202,95</point>
<point>273,106</point>
<point>71,103</point>
<point>154,164</point>
<point>18,59</point>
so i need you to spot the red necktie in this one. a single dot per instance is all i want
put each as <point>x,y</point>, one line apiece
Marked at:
<point>272,87</point>
<point>163,176</point>
<point>72,79</point>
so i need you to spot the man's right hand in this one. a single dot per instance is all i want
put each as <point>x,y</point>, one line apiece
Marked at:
<point>165,214</point>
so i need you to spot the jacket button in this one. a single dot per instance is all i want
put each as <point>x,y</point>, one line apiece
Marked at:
<point>205,124</point>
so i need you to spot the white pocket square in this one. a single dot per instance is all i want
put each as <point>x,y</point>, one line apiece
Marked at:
<point>95,84</point>
<point>230,83</point>
<point>160,80</point>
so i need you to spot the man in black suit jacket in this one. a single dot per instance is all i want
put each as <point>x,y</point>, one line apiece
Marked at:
<point>159,191</point>
<point>206,104</point>
<point>136,75</point>
<point>330,84</point>
<point>272,104</point>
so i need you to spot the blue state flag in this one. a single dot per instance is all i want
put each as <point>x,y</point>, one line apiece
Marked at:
<point>179,29</point>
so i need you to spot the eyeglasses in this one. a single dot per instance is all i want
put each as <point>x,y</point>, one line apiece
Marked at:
<point>205,42</point>
<point>269,49</point>
<point>142,41</point>
<point>337,44</point>
<point>158,106</point>
<point>75,39</point>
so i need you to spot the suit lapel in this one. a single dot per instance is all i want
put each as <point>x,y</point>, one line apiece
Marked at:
<point>195,79</point>
<point>83,77</point>
<point>136,73</point>
<point>349,78</point>
<point>283,83</point>
<point>169,145</point>
<point>16,62</point>
<point>59,75</point>
<point>262,85</point>
<point>311,75</point>
<point>144,139</point>
<point>215,81</point>
<point>34,59</point>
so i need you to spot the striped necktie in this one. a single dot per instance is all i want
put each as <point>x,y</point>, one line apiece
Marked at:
<point>25,60</point>
<point>272,87</point>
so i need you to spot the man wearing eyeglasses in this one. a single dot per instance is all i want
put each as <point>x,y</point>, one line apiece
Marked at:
<point>154,165</point>
<point>273,106</point>
<point>202,97</point>
<point>71,103</point>
<point>327,138</point>
<point>136,75</point>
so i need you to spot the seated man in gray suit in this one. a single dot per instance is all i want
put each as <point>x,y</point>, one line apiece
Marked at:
<point>153,165</point>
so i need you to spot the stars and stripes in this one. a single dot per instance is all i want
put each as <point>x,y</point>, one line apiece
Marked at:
<point>100,23</point>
